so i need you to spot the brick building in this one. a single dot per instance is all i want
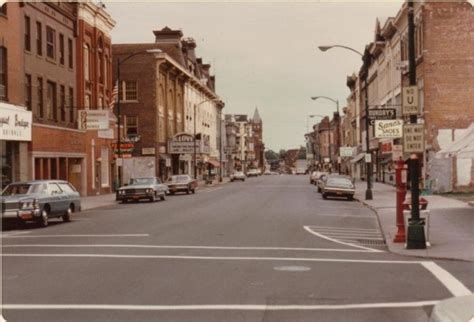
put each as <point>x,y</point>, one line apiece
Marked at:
<point>160,93</point>
<point>258,145</point>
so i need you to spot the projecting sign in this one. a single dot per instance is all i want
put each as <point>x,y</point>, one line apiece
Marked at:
<point>15,123</point>
<point>368,158</point>
<point>413,138</point>
<point>410,100</point>
<point>93,119</point>
<point>390,129</point>
<point>382,114</point>
<point>345,151</point>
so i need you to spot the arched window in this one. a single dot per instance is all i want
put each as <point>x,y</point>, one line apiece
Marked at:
<point>100,53</point>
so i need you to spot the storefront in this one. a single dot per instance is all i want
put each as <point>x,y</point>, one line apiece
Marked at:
<point>15,133</point>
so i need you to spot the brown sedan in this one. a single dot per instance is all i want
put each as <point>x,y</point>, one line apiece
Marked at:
<point>181,183</point>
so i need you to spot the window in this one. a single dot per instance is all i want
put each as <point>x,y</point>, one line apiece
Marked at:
<point>50,42</point>
<point>61,49</point>
<point>106,72</point>
<point>70,53</point>
<point>27,33</point>
<point>62,102</point>
<point>72,118</point>
<point>101,68</point>
<point>130,89</point>
<point>3,74</point>
<point>39,38</point>
<point>86,63</point>
<point>131,126</point>
<point>28,91</point>
<point>51,103</point>
<point>40,111</point>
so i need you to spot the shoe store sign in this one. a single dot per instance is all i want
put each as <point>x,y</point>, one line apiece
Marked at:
<point>388,129</point>
<point>15,123</point>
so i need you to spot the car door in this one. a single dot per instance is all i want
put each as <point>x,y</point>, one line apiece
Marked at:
<point>58,198</point>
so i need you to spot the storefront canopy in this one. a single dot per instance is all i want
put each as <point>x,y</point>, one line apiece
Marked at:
<point>214,163</point>
<point>358,157</point>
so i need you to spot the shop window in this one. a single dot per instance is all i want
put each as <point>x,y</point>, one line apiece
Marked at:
<point>39,38</point>
<point>27,35</point>
<point>50,42</point>
<point>3,74</point>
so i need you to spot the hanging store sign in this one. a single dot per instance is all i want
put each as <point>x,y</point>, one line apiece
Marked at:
<point>15,123</point>
<point>382,114</point>
<point>390,129</point>
<point>413,138</point>
<point>346,151</point>
<point>93,119</point>
<point>410,100</point>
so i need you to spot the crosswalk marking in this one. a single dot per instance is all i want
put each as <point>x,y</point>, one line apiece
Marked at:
<point>348,236</point>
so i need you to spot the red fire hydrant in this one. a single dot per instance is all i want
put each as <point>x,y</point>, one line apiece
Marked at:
<point>401,182</point>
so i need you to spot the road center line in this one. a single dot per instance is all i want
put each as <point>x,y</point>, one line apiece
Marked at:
<point>188,247</point>
<point>222,258</point>
<point>78,235</point>
<point>223,307</point>
<point>449,281</point>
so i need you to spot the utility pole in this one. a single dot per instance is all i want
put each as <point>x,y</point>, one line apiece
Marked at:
<point>416,232</point>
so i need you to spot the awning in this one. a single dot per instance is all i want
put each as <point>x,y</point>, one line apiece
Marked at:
<point>358,157</point>
<point>386,159</point>
<point>164,156</point>
<point>214,163</point>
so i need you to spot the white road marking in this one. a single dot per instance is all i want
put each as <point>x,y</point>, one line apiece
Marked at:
<point>355,238</point>
<point>448,280</point>
<point>218,258</point>
<point>308,229</point>
<point>210,307</point>
<point>345,229</point>
<point>341,215</point>
<point>354,233</point>
<point>189,247</point>
<point>14,233</point>
<point>78,235</point>
<point>211,189</point>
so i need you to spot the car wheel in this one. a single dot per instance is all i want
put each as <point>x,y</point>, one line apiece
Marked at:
<point>325,196</point>
<point>67,216</point>
<point>319,189</point>
<point>193,190</point>
<point>162,197</point>
<point>350,198</point>
<point>44,220</point>
<point>188,191</point>
<point>124,201</point>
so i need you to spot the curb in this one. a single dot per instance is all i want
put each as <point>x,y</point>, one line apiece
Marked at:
<point>453,309</point>
<point>397,252</point>
<point>471,203</point>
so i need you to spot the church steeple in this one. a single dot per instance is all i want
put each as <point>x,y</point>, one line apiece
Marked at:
<point>256,116</point>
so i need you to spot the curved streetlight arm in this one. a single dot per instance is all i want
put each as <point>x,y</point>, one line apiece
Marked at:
<point>326,48</point>
<point>328,98</point>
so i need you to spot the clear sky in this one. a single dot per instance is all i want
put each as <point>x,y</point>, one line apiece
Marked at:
<point>266,54</point>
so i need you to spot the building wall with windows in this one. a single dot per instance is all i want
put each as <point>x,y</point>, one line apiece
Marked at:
<point>13,151</point>
<point>93,49</point>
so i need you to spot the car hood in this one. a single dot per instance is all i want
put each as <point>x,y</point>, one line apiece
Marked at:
<point>137,186</point>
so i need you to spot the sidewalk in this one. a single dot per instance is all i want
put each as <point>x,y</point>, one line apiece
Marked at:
<point>450,230</point>
<point>91,202</point>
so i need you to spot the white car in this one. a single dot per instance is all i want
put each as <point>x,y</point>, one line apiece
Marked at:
<point>252,173</point>
<point>238,175</point>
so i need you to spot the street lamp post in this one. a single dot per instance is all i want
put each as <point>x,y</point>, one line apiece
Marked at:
<point>368,192</point>
<point>194,131</point>
<point>119,93</point>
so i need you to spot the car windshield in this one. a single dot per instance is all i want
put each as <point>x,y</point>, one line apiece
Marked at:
<point>22,189</point>
<point>142,181</point>
<point>340,182</point>
<point>179,178</point>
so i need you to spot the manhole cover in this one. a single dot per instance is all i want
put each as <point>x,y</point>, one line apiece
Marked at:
<point>292,268</point>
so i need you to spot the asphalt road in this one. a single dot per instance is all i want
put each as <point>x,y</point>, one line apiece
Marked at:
<point>267,249</point>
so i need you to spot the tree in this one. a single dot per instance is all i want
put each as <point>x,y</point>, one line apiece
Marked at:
<point>282,154</point>
<point>271,155</point>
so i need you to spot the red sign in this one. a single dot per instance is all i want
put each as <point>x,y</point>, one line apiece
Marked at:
<point>387,147</point>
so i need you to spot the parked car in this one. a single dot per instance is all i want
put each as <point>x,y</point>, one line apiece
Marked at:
<point>181,183</point>
<point>39,200</point>
<point>148,188</point>
<point>313,178</point>
<point>339,187</point>
<point>252,173</point>
<point>238,175</point>
<point>322,180</point>
<point>267,173</point>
